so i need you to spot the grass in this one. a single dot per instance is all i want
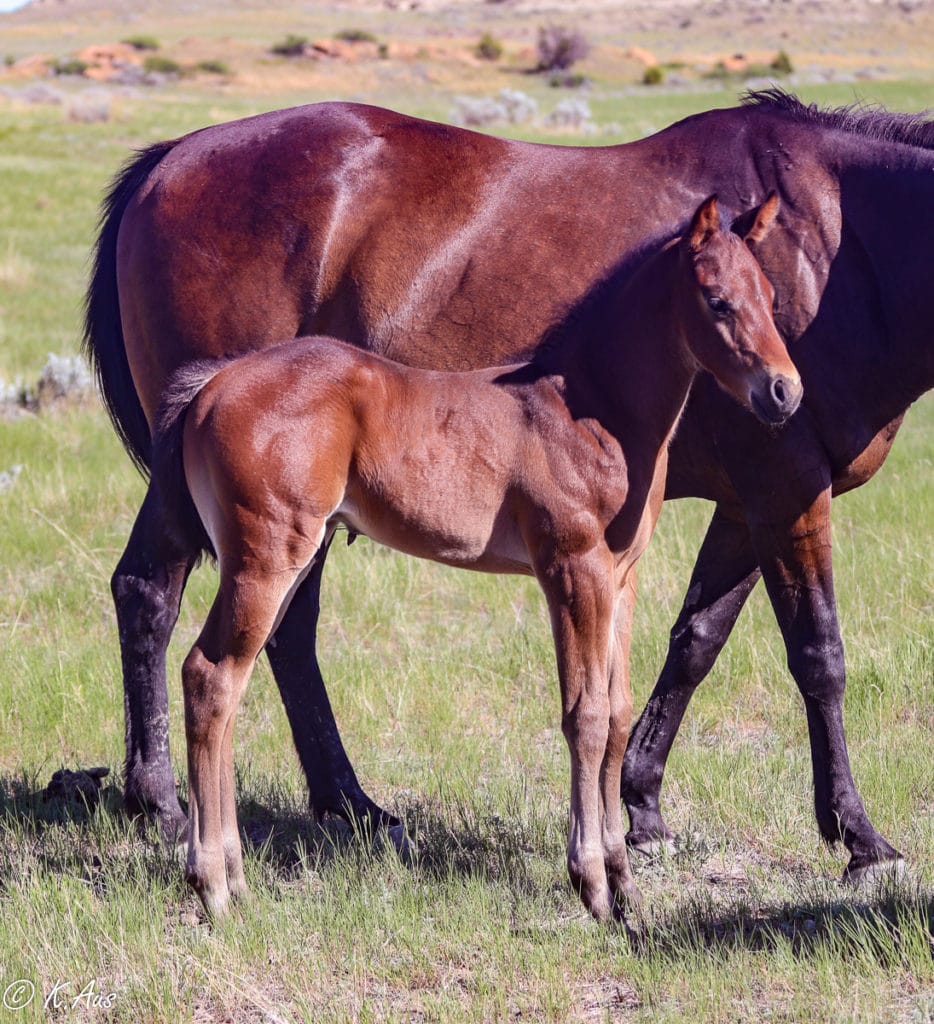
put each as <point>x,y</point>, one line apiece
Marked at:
<point>444,687</point>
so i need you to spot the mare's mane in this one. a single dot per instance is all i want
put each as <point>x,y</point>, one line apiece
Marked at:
<point>867,119</point>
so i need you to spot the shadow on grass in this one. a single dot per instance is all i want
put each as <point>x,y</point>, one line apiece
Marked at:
<point>891,926</point>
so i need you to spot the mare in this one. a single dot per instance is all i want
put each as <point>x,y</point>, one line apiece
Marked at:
<point>555,467</point>
<point>445,248</point>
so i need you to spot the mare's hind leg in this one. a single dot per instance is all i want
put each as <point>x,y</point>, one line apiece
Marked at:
<point>147,588</point>
<point>214,677</point>
<point>725,573</point>
<point>332,783</point>
<point>615,854</point>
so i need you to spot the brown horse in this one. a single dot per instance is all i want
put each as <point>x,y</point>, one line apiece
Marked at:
<point>554,468</point>
<point>449,249</point>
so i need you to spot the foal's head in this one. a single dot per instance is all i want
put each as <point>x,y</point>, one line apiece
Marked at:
<point>727,317</point>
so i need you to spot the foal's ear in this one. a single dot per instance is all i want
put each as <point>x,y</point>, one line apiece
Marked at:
<point>704,224</point>
<point>765,218</point>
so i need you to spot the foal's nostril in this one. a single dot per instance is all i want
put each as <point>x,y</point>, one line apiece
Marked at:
<point>778,400</point>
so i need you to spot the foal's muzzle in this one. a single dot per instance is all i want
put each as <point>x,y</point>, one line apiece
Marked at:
<point>777,398</point>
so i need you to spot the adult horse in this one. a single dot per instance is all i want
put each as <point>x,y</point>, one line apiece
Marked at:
<point>444,248</point>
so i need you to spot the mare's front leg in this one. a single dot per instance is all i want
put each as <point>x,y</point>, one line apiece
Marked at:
<point>147,588</point>
<point>725,573</point>
<point>795,556</point>
<point>332,782</point>
<point>579,591</point>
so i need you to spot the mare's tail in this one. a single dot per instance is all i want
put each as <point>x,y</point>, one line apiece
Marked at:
<point>103,334</point>
<point>167,462</point>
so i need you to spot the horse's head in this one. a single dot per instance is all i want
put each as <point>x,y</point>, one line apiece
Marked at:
<point>727,317</point>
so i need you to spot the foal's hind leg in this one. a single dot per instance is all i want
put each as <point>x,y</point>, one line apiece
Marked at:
<point>147,587</point>
<point>579,591</point>
<point>214,676</point>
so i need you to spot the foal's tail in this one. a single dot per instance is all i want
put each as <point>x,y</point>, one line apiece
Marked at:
<point>168,469</point>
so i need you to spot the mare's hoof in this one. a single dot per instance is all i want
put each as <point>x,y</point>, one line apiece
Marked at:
<point>866,876</point>
<point>401,843</point>
<point>652,847</point>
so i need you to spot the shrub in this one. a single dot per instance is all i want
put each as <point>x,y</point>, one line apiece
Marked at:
<point>161,65</point>
<point>489,47</point>
<point>653,75</point>
<point>70,66</point>
<point>719,71</point>
<point>291,46</point>
<point>382,51</point>
<point>356,35</point>
<point>569,113</point>
<point>782,63</point>
<point>142,42</point>
<point>510,106</point>
<point>560,47</point>
<point>213,67</point>
<point>572,81</point>
<point>90,109</point>
<point>9,477</point>
<point>64,377</point>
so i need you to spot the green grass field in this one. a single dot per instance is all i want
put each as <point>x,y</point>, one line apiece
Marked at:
<point>444,687</point>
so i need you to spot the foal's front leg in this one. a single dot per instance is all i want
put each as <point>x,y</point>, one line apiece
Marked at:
<point>614,831</point>
<point>579,592</point>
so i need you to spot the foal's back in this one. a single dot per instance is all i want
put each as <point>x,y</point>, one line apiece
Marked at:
<point>317,431</point>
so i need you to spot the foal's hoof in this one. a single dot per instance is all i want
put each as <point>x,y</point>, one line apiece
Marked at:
<point>867,876</point>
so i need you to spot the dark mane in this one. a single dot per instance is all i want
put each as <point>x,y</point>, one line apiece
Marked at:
<point>869,119</point>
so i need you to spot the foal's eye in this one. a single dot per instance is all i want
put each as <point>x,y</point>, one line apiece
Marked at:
<point>719,306</point>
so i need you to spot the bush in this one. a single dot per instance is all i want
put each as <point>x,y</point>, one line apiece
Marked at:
<point>653,75</point>
<point>782,63</point>
<point>70,66</point>
<point>356,35</point>
<point>142,42</point>
<point>161,65</point>
<point>560,47</point>
<point>572,81</point>
<point>509,107</point>
<point>291,46</point>
<point>213,67</point>
<point>489,47</point>
<point>569,113</point>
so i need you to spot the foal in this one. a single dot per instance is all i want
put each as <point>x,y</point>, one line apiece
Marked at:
<point>554,467</point>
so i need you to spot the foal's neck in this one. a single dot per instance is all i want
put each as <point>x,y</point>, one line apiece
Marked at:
<point>628,364</point>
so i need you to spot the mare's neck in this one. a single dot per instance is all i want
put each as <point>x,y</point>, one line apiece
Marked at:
<point>626,363</point>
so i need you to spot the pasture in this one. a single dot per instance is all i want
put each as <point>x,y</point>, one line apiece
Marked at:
<point>443,684</point>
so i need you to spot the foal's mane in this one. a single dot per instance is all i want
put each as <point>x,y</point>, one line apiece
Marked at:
<point>860,118</point>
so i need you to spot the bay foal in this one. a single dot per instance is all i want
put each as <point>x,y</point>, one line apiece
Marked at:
<point>554,467</point>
